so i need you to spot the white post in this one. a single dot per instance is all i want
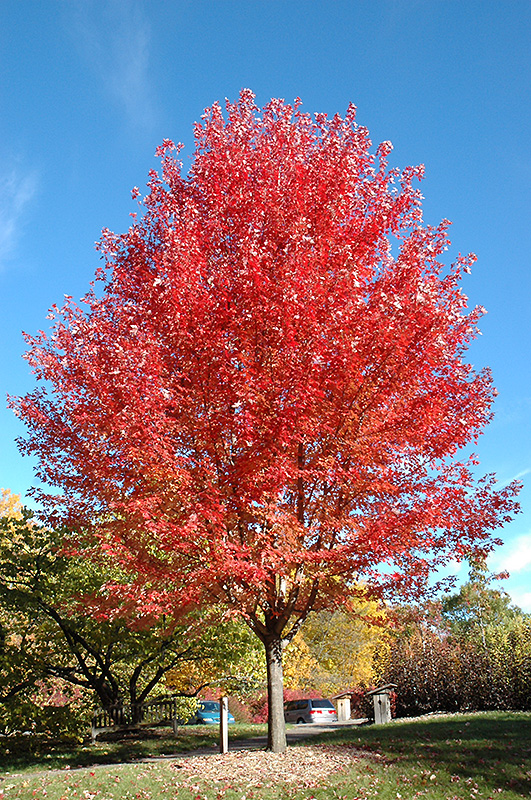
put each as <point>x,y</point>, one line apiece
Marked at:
<point>224,724</point>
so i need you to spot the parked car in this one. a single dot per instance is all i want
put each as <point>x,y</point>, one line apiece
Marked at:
<point>207,713</point>
<point>314,710</point>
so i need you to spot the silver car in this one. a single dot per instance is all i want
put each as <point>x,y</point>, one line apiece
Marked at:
<point>314,710</point>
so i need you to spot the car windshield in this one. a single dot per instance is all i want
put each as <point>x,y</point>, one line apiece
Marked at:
<point>322,704</point>
<point>209,705</point>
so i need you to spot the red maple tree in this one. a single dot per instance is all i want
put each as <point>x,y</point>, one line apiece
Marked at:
<point>262,401</point>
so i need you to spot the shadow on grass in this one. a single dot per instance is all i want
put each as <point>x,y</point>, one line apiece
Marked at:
<point>493,748</point>
<point>30,752</point>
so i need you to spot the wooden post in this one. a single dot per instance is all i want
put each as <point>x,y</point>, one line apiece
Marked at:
<point>175,725</point>
<point>224,724</point>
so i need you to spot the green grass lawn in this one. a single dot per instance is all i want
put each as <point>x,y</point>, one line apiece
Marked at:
<point>485,756</point>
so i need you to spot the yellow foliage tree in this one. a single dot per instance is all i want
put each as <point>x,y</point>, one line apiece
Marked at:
<point>336,651</point>
<point>300,667</point>
<point>10,505</point>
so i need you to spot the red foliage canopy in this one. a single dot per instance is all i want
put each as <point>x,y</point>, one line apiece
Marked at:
<point>263,400</point>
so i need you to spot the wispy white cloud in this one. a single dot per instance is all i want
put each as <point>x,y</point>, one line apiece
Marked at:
<point>17,189</point>
<point>115,39</point>
<point>517,477</point>
<point>514,557</point>
<point>522,599</point>
<point>130,78</point>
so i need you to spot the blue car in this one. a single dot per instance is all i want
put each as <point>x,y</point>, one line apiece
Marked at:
<point>208,713</point>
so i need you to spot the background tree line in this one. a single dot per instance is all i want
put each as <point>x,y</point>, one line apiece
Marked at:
<point>470,651</point>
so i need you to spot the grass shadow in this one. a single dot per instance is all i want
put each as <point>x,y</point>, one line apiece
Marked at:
<point>493,749</point>
<point>30,752</point>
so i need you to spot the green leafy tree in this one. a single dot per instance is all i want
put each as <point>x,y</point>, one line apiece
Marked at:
<point>53,627</point>
<point>479,605</point>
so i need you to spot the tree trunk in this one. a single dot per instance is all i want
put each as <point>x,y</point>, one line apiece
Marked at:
<point>276,727</point>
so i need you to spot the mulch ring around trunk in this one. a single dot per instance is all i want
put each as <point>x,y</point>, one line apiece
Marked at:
<point>305,766</point>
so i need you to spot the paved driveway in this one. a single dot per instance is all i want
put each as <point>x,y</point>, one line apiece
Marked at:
<point>294,734</point>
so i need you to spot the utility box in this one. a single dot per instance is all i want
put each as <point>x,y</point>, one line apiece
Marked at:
<point>382,703</point>
<point>343,707</point>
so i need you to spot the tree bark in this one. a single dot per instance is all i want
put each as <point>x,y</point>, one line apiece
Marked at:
<point>276,727</point>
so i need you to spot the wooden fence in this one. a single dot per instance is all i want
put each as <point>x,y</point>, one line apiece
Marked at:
<point>122,717</point>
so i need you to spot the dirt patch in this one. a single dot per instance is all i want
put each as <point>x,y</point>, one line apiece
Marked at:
<point>305,766</point>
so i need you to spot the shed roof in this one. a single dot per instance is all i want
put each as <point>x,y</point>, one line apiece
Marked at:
<point>382,689</point>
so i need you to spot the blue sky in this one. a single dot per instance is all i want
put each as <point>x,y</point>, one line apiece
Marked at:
<point>89,88</point>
